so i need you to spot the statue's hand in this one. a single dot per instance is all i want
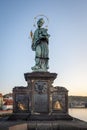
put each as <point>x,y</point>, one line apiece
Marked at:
<point>33,47</point>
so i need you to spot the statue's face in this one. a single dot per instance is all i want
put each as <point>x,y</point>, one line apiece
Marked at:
<point>40,23</point>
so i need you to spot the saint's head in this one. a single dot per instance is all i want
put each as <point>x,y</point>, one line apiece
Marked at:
<point>40,22</point>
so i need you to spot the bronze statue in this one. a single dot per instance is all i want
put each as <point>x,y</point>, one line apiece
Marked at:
<point>40,41</point>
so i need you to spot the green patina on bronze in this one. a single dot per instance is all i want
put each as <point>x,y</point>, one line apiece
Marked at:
<point>40,41</point>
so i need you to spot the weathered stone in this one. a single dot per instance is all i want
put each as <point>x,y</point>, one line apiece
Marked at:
<point>21,99</point>
<point>40,97</point>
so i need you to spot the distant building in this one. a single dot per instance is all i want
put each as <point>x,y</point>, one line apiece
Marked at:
<point>1,101</point>
<point>8,96</point>
<point>8,104</point>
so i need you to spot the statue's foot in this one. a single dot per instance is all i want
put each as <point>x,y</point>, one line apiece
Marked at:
<point>35,67</point>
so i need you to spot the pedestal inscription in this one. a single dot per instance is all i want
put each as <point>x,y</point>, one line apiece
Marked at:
<point>40,103</point>
<point>40,97</point>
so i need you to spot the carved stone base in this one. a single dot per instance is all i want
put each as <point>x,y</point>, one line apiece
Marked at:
<point>40,97</point>
<point>40,84</point>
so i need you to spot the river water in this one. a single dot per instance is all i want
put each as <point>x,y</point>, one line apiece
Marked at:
<point>80,113</point>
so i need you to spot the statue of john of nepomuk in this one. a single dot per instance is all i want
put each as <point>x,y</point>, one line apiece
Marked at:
<point>40,41</point>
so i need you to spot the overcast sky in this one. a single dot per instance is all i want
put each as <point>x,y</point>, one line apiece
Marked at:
<point>67,44</point>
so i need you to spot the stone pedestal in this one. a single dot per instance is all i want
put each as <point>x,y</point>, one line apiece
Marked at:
<point>40,84</point>
<point>40,99</point>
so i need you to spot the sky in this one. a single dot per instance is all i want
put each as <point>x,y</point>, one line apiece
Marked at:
<point>67,44</point>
